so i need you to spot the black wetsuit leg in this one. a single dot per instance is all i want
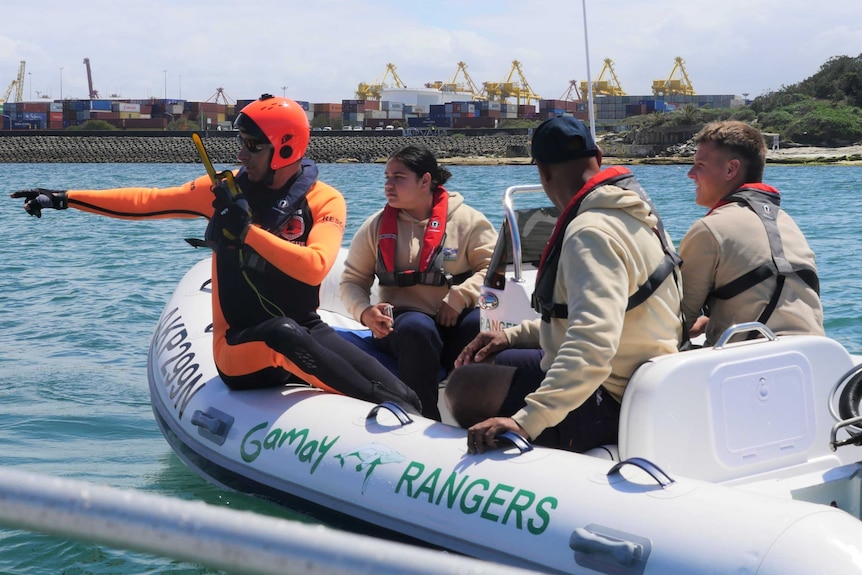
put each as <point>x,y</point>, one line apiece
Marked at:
<point>318,351</point>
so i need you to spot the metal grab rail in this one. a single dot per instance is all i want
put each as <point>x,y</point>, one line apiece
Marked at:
<point>216,537</point>
<point>512,220</point>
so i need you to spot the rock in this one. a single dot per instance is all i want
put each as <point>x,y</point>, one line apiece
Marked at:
<point>323,149</point>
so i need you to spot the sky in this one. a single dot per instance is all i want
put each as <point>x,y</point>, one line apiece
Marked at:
<point>320,50</point>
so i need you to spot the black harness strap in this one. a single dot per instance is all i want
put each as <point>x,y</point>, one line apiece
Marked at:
<point>767,206</point>
<point>668,266</point>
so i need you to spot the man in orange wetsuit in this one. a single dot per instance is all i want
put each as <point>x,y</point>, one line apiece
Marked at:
<point>273,244</point>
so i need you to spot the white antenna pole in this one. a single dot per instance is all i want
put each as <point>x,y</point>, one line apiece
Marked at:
<point>589,76</point>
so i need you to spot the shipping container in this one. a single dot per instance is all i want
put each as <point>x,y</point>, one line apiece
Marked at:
<point>474,122</point>
<point>126,107</point>
<point>391,106</point>
<point>40,107</point>
<point>40,117</point>
<point>102,105</point>
<point>428,122</point>
<point>490,114</point>
<point>100,115</point>
<point>327,108</point>
<point>140,123</point>
<point>353,106</point>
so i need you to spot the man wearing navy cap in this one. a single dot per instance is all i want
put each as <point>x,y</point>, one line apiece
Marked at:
<point>609,296</point>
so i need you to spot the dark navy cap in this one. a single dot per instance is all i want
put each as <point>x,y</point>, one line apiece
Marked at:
<point>561,139</point>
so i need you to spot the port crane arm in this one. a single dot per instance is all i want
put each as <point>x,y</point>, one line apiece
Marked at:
<point>503,90</point>
<point>572,90</point>
<point>605,87</point>
<point>462,67</point>
<point>672,85</point>
<point>373,91</point>
<point>94,94</point>
<point>8,91</point>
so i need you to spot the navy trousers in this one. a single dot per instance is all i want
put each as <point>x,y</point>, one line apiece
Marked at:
<point>426,352</point>
<point>594,423</point>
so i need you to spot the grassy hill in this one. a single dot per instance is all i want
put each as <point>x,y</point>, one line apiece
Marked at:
<point>822,110</point>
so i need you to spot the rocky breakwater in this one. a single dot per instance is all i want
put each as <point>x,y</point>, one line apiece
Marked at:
<point>127,148</point>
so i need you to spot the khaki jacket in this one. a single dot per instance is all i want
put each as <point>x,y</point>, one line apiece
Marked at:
<point>470,241</point>
<point>608,251</point>
<point>729,242</point>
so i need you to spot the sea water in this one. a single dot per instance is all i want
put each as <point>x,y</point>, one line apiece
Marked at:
<point>81,295</point>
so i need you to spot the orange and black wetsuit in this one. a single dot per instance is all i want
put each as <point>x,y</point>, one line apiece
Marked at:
<point>265,295</point>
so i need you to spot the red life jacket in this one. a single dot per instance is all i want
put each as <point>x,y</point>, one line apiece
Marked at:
<point>430,270</point>
<point>543,301</point>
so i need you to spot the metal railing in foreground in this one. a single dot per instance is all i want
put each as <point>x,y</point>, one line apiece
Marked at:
<point>216,537</point>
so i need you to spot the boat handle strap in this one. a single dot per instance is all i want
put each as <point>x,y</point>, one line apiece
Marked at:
<point>515,439</point>
<point>662,478</point>
<point>394,408</point>
<point>742,328</point>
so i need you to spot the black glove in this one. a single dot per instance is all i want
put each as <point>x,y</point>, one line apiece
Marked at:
<point>230,222</point>
<point>35,199</point>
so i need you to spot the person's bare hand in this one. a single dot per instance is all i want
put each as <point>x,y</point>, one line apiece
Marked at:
<point>483,345</point>
<point>699,326</point>
<point>480,437</point>
<point>446,315</point>
<point>378,322</point>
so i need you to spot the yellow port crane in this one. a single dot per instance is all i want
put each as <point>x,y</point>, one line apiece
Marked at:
<point>603,87</point>
<point>19,82</point>
<point>674,86</point>
<point>572,93</point>
<point>8,91</point>
<point>453,85</point>
<point>502,91</point>
<point>374,91</point>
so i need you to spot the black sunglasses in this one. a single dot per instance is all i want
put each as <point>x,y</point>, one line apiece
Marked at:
<point>252,145</point>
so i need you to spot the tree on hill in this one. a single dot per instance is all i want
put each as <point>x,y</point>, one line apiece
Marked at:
<point>822,110</point>
<point>839,80</point>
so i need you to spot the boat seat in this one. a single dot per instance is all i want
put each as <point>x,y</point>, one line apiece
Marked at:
<point>731,411</point>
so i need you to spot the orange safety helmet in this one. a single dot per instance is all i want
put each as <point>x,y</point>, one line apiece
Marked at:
<point>280,121</point>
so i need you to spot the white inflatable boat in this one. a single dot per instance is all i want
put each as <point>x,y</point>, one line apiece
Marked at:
<point>741,458</point>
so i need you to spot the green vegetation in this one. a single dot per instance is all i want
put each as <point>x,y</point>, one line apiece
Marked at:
<point>691,115</point>
<point>183,125</point>
<point>822,110</point>
<point>518,123</point>
<point>93,125</point>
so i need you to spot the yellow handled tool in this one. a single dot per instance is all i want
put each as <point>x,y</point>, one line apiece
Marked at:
<point>216,177</point>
